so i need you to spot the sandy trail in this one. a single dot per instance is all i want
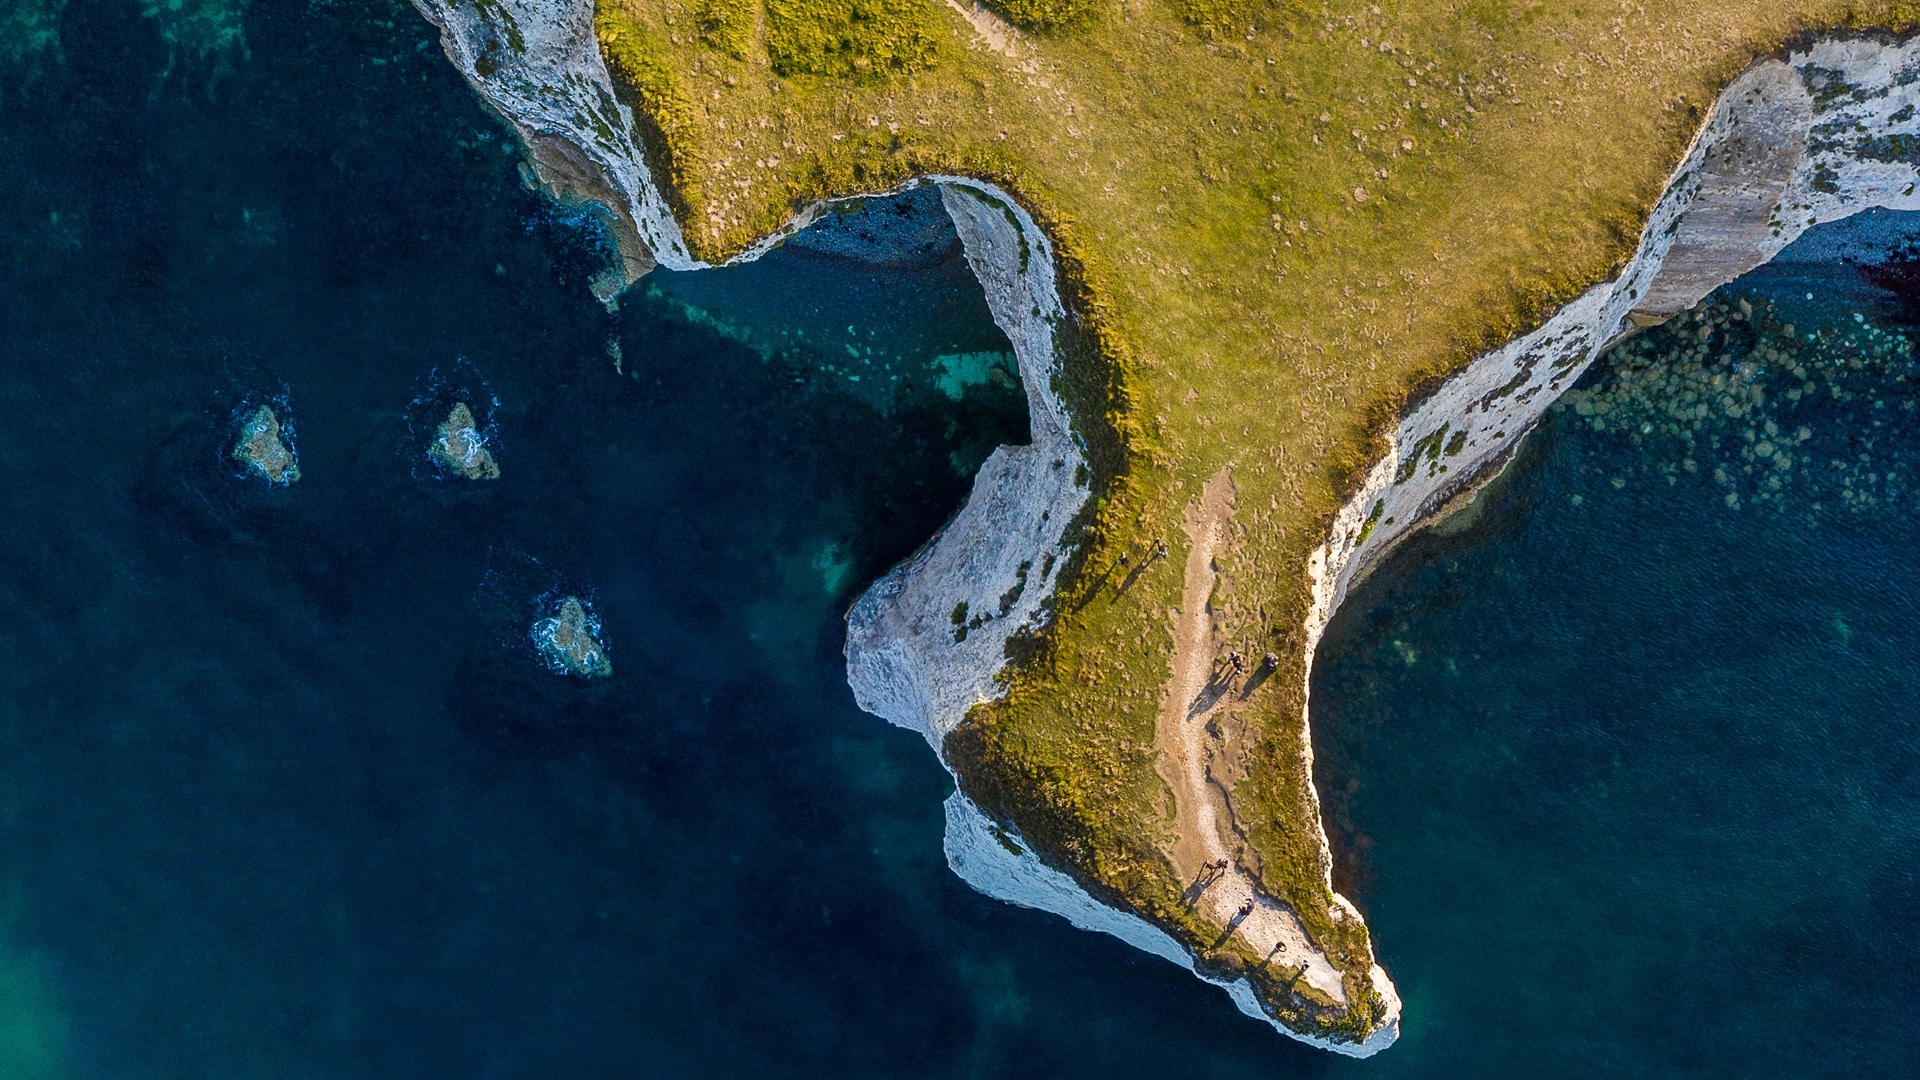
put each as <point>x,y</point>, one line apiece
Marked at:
<point>1190,735</point>
<point>996,33</point>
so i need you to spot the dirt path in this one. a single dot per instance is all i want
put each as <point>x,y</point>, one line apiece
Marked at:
<point>1208,850</point>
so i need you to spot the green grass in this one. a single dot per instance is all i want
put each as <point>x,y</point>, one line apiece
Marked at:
<point>1048,14</point>
<point>1223,16</point>
<point>844,38</point>
<point>1274,222</point>
<point>727,25</point>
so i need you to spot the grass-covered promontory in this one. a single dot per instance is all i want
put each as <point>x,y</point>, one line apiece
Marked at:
<point>1274,220</point>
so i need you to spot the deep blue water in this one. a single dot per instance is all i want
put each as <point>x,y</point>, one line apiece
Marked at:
<point>1623,776</point>
<point>1626,770</point>
<point>284,790</point>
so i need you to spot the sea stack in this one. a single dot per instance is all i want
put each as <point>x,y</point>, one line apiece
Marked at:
<point>460,448</point>
<point>569,639</point>
<point>261,450</point>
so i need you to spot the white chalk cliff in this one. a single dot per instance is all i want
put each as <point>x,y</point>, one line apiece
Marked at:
<point>1824,134</point>
<point>1820,136</point>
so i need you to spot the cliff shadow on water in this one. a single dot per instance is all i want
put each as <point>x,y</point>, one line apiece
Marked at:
<point>1620,760</point>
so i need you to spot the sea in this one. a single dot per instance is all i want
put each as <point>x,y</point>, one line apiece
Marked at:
<point>1620,761</point>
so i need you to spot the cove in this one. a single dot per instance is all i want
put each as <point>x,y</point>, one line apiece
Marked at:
<point>1621,758</point>
<point>1622,773</point>
<point>284,788</point>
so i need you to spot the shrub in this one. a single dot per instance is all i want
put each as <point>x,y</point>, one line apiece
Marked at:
<point>661,109</point>
<point>727,25</point>
<point>850,37</point>
<point>1044,14</point>
<point>1219,16</point>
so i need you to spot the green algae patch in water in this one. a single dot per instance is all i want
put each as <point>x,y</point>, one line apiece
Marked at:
<point>207,31</point>
<point>960,371</point>
<point>835,564</point>
<point>30,33</point>
<point>34,1030</point>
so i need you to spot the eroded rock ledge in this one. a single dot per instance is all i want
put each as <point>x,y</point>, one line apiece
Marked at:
<point>1817,137</point>
<point>1822,135</point>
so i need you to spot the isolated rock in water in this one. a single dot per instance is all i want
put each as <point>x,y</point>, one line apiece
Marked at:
<point>570,641</point>
<point>263,452</point>
<point>459,446</point>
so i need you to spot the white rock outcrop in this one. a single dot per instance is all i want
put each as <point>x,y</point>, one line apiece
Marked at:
<point>925,642</point>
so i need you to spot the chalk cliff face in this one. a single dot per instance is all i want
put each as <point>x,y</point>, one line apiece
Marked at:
<point>924,643</point>
<point>538,63</point>
<point>1827,133</point>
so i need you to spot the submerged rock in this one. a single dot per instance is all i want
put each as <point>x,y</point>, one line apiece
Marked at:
<point>460,448</point>
<point>261,450</point>
<point>569,639</point>
<point>1729,389</point>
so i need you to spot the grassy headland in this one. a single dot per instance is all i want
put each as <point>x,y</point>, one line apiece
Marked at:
<point>1274,220</point>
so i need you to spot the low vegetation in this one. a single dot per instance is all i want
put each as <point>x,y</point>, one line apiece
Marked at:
<point>849,37</point>
<point>1275,220</point>
<point>727,25</point>
<point>1046,14</point>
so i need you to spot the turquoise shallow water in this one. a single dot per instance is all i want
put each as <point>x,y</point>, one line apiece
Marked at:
<point>1622,775</point>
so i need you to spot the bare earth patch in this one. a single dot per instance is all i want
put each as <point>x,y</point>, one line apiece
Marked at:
<point>997,33</point>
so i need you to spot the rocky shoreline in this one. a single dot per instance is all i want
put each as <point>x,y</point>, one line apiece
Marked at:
<point>1819,136</point>
<point>907,660</point>
<point>1791,143</point>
